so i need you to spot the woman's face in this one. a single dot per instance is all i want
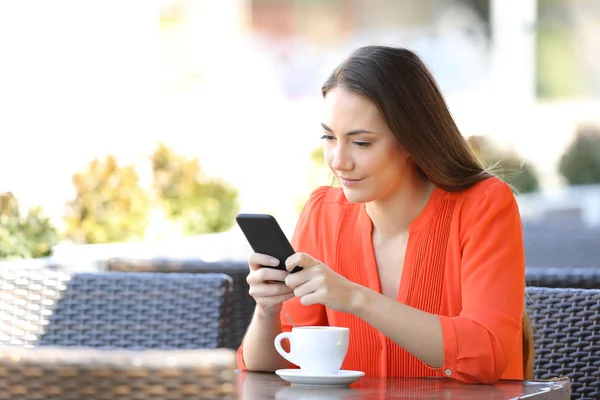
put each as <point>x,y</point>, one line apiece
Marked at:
<point>360,149</point>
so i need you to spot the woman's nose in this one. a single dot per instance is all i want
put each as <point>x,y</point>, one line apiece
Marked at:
<point>341,160</point>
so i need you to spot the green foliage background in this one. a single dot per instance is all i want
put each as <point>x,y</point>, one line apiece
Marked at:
<point>24,236</point>
<point>202,204</point>
<point>109,206</point>
<point>580,164</point>
<point>506,164</point>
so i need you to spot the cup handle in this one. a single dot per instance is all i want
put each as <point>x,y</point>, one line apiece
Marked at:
<point>287,355</point>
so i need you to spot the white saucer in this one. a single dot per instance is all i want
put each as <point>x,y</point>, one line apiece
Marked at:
<point>342,378</point>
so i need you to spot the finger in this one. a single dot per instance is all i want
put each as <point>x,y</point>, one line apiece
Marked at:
<point>300,259</point>
<point>273,300</point>
<point>307,288</point>
<point>269,290</point>
<point>311,298</point>
<point>258,260</point>
<point>266,274</point>
<point>301,277</point>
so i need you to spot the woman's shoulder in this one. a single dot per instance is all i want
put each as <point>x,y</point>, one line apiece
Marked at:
<point>328,196</point>
<point>326,206</point>
<point>492,189</point>
<point>320,218</point>
<point>487,199</point>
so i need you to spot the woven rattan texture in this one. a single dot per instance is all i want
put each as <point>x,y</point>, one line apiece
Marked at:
<point>566,325</point>
<point>114,310</point>
<point>27,299</point>
<point>141,311</point>
<point>85,374</point>
<point>564,277</point>
<point>242,306</point>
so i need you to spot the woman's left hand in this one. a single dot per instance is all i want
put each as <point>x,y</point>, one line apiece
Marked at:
<point>318,284</point>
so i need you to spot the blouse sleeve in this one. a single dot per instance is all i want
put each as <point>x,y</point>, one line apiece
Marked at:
<point>480,341</point>
<point>305,240</point>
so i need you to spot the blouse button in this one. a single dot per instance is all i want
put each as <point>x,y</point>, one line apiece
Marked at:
<point>448,372</point>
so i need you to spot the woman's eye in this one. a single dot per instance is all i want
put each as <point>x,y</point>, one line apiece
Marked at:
<point>362,144</point>
<point>327,137</point>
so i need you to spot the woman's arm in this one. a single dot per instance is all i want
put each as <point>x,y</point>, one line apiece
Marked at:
<point>258,351</point>
<point>418,332</point>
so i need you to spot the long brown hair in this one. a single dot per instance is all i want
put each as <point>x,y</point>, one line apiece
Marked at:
<point>403,89</point>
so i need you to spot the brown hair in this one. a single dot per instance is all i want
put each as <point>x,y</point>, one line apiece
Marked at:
<point>403,89</point>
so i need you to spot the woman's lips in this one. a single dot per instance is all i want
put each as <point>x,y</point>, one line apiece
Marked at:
<point>349,181</point>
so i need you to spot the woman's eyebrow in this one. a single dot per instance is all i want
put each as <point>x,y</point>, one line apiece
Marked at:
<point>349,133</point>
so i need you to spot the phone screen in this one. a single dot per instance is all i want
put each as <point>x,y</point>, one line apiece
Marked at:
<point>265,236</point>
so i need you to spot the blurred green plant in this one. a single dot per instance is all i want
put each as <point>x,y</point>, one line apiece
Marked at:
<point>202,204</point>
<point>28,236</point>
<point>558,70</point>
<point>580,163</point>
<point>322,175</point>
<point>110,205</point>
<point>506,164</point>
<point>318,175</point>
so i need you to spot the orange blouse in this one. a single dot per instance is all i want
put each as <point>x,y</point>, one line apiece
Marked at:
<point>464,262</point>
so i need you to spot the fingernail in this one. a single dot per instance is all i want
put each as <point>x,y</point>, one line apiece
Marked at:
<point>274,262</point>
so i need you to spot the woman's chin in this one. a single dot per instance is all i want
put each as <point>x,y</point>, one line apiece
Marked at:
<point>354,195</point>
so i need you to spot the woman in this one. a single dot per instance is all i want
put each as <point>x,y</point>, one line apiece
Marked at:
<point>420,253</point>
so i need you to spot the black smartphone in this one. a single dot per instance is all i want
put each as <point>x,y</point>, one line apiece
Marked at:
<point>266,237</point>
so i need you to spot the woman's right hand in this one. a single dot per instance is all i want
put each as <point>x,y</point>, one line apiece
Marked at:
<point>267,285</point>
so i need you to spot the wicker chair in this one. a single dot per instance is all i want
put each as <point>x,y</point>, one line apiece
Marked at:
<point>70,373</point>
<point>113,310</point>
<point>566,328</point>
<point>563,277</point>
<point>242,306</point>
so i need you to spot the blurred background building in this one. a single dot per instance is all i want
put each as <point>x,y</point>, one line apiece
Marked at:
<point>231,90</point>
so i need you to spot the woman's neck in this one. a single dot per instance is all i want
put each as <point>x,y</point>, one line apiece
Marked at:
<point>392,216</point>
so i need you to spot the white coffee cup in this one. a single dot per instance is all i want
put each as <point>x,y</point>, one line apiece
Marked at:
<point>315,349</point>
